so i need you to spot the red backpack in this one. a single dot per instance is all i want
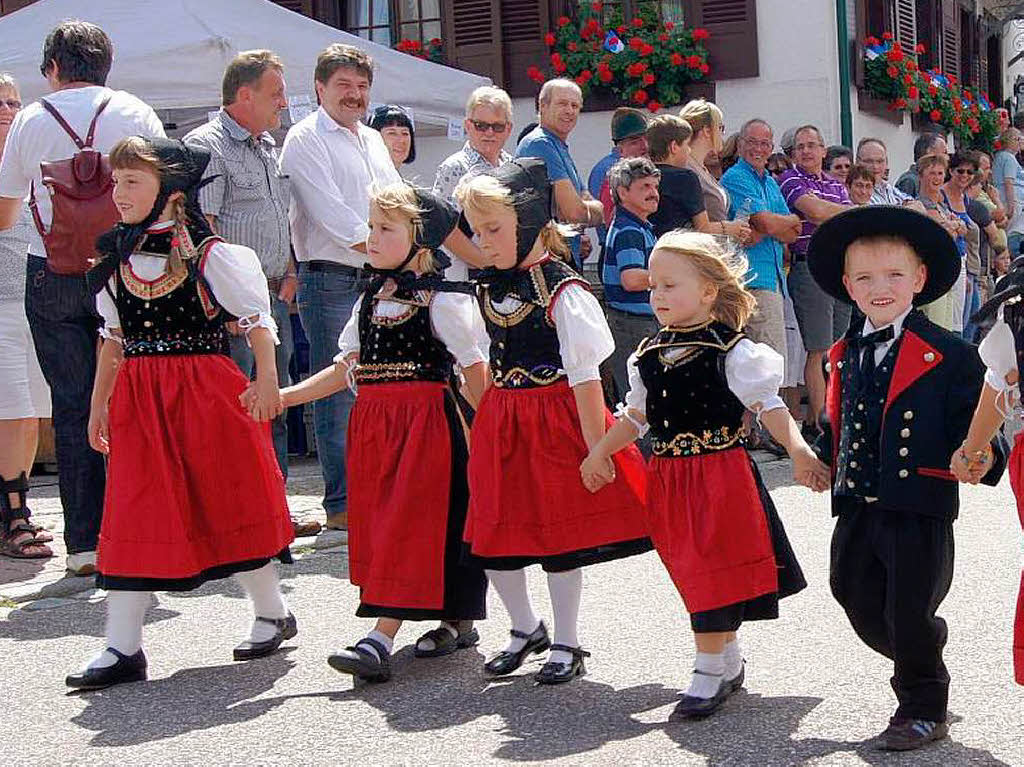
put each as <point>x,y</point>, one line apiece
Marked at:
<point>81,200</point>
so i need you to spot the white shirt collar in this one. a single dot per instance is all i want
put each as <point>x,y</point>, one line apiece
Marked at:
<point>897,325</point>
<point>327,123</point>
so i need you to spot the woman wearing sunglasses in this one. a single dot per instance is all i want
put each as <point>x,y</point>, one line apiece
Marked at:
<point>26,397</point>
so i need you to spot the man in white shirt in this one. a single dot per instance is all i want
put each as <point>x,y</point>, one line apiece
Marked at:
<point>77,57</point>
<point>332,160</point>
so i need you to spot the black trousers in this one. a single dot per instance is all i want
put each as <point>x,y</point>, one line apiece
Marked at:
<point>890,571</point>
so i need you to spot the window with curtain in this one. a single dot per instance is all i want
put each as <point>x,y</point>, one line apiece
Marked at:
<point>369,19</point>
<point>419,19</point>
<point>388,21</point>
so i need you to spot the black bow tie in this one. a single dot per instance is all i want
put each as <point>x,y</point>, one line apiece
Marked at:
<point>499,282</point>
<point>406,280</point>
<point>867,344</point>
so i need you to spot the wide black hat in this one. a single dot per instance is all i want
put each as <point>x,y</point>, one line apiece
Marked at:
<point>826,254</point>
<point>438,219</point>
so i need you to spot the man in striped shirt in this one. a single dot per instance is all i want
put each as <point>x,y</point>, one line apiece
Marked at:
<point>247,199</point>
<point>815,197</point>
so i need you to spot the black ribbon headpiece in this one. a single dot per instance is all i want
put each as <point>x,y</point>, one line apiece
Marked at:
<point>183,168</point>
<point>526,178</point>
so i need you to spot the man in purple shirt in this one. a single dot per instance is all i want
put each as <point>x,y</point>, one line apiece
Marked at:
<point>815,197</point>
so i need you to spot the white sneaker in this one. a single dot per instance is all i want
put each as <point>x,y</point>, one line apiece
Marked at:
<point>83,563</point>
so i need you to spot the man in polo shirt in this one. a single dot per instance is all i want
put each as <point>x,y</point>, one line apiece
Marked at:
<point>247,200</point>
<point>754,194</point>
<point>815,197</point>
<point>560,102</point>
<point>628,245</point>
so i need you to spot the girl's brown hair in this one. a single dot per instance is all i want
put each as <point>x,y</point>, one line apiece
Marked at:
<point>733,304</point>
<point>135,153</point>
<point>399,201</point>
<point>482,194</point>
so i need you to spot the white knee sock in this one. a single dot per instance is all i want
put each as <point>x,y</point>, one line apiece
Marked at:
<point>733,657</point>
<point>126,614</point>
<point>566,589</point>
<point>511,588</point>
<point>708,669</point>
<point>264,590</point>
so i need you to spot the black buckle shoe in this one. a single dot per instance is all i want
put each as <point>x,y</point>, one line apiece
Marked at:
<point>287,628</point>
<point>129,668</point>
<point>361,663</point>
<point>560,673</point>
<point>445,643</point>
<point>691,707</point>
<point>506,662</point>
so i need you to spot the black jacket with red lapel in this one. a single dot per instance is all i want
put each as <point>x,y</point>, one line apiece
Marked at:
<point>934,389</point>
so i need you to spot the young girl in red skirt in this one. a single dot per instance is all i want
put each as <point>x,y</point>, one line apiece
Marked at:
<point>538,419</point>
<point>406,445</point>
<point>1002,351</point>
<point>712,520</point>
<point>193,488</point>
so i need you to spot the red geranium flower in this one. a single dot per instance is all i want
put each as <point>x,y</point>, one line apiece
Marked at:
<point>911,66</point>
<point>654,106</point>
<point>919,48</point>
<point>956,120</point>
<point>647,50</point>
<point>535,74</point>
<point>913,92</point>
<point>562,21</point>
<point>901,103</point>
<point>649,78</point>
<point>887,35</point>
<point>997,145</point>
<point>640,96</point>
<point>892,71</point>
<point>669,26</point>
<point>572,47</point>
<point>621,29</point>
<point>932,90</point>
<point>676,59</point>
<point>869,41</point>
<point>907,79</point>
<point>637,22</point>
<point>693,61</point>
<point>636,43</point>
<point>663,38</point>
<point>596,7</point>
<point>704,68</point>
<point>699,33</point>
<point>935,115</point>
<point>549,39</point>
<point>605,75</point>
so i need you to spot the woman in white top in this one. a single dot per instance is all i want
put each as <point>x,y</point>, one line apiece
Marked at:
<point>194,492</point>
<point>26,396</point>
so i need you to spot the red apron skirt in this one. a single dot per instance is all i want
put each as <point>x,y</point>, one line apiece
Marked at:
<point>1017,483</point>
<point>710,528</point>
<point>406,504</point>
<point>527,499</point>
<point>193,491</point>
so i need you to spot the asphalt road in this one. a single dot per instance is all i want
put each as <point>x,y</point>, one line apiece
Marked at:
<point>813,695</point>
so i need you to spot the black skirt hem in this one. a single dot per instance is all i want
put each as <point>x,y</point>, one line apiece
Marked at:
<point>558,563</point>
<point>136,583</point>
<point>415,614</point>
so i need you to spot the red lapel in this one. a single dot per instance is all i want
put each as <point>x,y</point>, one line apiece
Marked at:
<point>834,395</point>
<point>915,358</point>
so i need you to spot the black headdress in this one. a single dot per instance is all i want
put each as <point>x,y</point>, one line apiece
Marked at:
<point>183,168</point>
<point>390,114</point>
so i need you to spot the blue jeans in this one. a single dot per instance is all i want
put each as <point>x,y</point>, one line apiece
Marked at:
<point>972,303</point>
<point>325,304</point>
<point>243,357</point>
<point>64,324</point>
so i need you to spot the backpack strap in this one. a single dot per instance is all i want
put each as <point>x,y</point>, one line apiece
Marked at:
<point>69,130</point>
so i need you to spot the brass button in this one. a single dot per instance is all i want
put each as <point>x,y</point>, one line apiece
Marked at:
<point>904,473</point>
<point>858,426</point>
<point>908,415</point>
<point>851,484</point>
<point>904,433</point>
<point>147,324</point>
<point>860,406</point>
<point>853,464</point>
<point>855,445</point>
<point>904,452</point>
<point>828,367</point>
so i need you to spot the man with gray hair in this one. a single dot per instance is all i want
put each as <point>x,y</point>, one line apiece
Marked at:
<point>560,101</point>
<point>488,125</point>
<point>633,182</point>
<point>247,201</point>
<point>874,155</point>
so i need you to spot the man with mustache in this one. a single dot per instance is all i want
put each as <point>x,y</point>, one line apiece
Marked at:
<point>633,182</point>
<point>332,159</point>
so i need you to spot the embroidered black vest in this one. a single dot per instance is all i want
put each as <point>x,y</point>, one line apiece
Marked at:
<point>690,408</point>
<point>400,348</point>
<point>173,314</point>
<point>858,466</point>
<point>524,343</point>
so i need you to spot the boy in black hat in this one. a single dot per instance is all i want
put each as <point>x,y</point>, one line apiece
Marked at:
<point>900,396</point>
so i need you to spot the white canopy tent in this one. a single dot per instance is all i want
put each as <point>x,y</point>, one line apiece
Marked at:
<point>172,54</point>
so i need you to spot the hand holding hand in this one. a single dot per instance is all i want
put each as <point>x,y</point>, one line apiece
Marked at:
<point>597,471</point>
<point>809,471</point>
<point>971,465</point>
<point>267,403</point>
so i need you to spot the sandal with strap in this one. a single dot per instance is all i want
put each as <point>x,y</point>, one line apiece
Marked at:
<point>361,663</point>
<point>18,536</point>
<point>559,673</point>
<point>445,643</point>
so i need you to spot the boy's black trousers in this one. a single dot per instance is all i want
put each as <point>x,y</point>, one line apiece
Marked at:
<point>890,570</point>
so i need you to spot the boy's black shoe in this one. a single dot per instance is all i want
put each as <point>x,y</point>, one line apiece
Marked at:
<point>129,668</point>
<point>910,734</point>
